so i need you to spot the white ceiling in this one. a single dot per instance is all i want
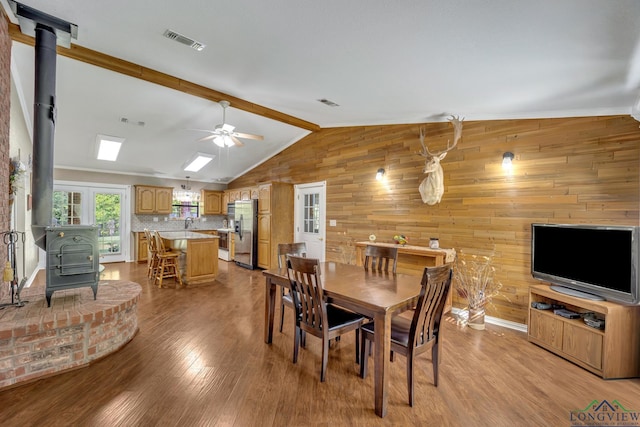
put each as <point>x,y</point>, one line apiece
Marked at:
<point>382,61</point>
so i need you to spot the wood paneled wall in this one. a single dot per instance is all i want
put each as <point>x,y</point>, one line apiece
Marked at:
<point>568,170</point>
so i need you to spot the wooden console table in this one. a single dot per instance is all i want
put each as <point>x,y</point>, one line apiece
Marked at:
<point>413,259</point>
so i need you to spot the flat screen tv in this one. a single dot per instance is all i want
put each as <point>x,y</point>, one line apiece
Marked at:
<point>589,261</point>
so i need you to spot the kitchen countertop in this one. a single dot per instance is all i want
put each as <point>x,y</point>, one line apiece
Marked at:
<point>185,235</point>
<point>140,229</point>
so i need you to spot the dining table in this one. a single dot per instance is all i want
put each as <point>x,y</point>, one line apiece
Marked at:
<point>378,295</point>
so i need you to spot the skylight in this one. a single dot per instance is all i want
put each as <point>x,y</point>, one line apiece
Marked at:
<point>198,162</point>
<point>108,147</point>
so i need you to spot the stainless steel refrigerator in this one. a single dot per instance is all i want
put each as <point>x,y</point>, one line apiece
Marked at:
<point>246,226</point>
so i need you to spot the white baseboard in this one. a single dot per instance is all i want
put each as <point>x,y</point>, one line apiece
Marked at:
<point>497,321</point>
<point>32,277</point>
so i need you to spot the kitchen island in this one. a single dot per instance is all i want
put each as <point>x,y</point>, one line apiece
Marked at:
<point>199,254</point>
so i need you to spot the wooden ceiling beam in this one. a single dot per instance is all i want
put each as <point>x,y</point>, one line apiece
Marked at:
<point>131,69</point>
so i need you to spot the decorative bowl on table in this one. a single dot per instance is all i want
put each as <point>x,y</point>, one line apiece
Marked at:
<point>400,239</point>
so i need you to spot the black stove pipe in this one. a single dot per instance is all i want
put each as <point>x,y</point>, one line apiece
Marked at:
<point>44,116</point>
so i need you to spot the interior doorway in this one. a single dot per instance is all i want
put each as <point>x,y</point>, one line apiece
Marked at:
<point>310,213</point>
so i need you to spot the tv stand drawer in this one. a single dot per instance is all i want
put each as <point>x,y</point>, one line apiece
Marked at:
<point>610,353</point>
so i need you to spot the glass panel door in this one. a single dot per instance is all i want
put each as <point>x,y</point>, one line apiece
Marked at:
<point>311,212</point>
<point>108,215</point>
<point>68,207</point>
<point>309,220</point>
<point>95,205</point>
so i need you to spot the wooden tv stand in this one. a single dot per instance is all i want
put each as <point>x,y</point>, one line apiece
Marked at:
<point>613,352</point>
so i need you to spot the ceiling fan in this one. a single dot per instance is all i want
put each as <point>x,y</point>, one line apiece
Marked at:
<point>224,135</point>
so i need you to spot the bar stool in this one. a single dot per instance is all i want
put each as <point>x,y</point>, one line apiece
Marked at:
<point>152,256</point>
<point>167,262</point>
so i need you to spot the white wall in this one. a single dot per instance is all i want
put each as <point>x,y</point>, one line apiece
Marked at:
<point>20,146</point>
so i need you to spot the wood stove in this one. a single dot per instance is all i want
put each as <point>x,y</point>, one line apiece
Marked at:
<point>72,258</point>
<point>72,251</point>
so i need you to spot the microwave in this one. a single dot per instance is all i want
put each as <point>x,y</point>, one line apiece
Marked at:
<point>231,210</point>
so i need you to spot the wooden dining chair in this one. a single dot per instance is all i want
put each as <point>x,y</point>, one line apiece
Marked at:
<point>152,256</point>
<point>316,316</point>
<point>167,262</point>
<point>412,337</point>
<point>379,257</point>
<point>285,249</point>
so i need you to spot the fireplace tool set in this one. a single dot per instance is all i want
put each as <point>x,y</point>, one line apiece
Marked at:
<point>10,238</point>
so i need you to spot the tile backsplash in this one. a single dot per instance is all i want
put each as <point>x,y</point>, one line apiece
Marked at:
<point>140,222</point>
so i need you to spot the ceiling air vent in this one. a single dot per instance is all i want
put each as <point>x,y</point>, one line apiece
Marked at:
<point>327,102</point>
<point>131,122</point>
<point>184,40</point>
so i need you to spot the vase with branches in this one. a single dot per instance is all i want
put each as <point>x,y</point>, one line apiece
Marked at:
<point>474,281</point>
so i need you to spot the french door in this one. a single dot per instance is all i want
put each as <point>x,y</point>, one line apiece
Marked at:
<point>105,207</point>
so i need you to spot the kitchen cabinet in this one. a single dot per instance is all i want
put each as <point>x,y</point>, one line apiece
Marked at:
<point>212,202</point>
<point>225,202</point>
<point>612,352</point>
<point>153,200</point>
<point>233,195</point>
<point>275,221</point>
<point>142,247</point>
<point>264,241</point>
<point>249,193</point>
<point>264,199</point>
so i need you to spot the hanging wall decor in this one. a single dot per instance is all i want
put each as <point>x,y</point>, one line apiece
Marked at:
<point>432,187</point>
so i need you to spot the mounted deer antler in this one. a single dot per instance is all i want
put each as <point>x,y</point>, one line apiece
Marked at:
<point>432,187</point>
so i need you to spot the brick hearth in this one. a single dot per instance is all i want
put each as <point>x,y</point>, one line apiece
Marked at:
<point>37,341</point>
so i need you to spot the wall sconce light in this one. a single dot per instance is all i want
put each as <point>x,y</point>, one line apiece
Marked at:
<point>380,174</point>
<point>507,159</point>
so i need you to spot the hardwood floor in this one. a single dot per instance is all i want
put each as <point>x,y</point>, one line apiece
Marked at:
<point>200,360</point>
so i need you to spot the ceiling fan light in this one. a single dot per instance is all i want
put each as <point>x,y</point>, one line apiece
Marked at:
<point>219,141</point>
